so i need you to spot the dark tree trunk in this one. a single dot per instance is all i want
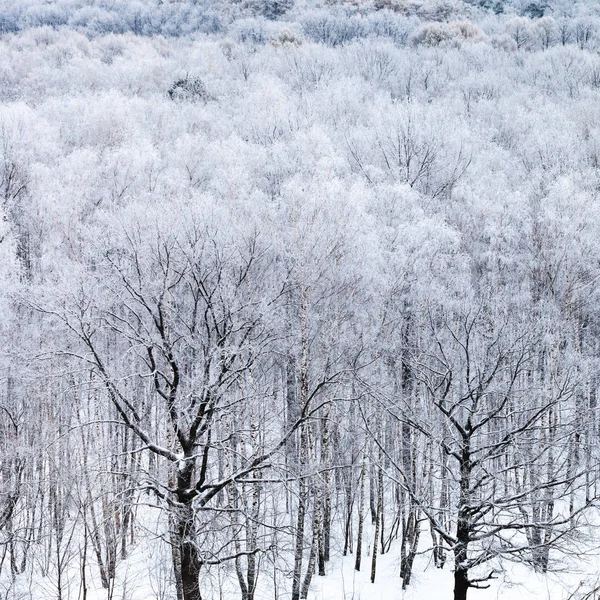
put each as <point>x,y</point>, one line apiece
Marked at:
<point>190,560</point>
<point>349,502</point>
<point>463,524</point>
<point>187,560</point>
<point>361,503</point>
<point>410,542</point>
<point>461,584</point>
<point>320,537</point>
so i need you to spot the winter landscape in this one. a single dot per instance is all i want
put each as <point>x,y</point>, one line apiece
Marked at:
<point>299,299</point>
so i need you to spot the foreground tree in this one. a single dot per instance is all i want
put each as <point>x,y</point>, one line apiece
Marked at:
<point>506,440</point>
<point>177,327</point>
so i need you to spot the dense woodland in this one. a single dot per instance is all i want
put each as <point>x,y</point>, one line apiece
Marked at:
<point>286,282</point>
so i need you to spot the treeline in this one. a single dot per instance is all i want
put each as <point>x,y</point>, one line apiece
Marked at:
<point>529,24</point>
<point>264,305</point>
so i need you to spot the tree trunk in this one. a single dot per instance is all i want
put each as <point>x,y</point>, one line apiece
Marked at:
<point>347,475</point>
<point>320,535</point>
<point>410,542</point>
<point>299,546</point>
<point>463,524</point>
<point>461,583</point>
<point>189,556</point>
<point>378,516</point>
<point>312,559</point>
<point>361,507</point>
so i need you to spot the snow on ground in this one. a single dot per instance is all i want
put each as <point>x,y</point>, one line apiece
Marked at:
<point>513,581</point>
<point>146,575</point>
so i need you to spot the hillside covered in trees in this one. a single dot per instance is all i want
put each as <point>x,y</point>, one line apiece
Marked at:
<point>299,300</point>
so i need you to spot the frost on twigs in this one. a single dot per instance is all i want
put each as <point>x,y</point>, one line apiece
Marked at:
<point>437,34</point>
<point>286,37</point>
<point>271,9</point>
<point>433,10</point>
<point>189,89</point>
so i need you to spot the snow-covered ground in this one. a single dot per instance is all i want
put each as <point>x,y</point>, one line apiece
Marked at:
<point>516,581</point>
<point>146,575</point>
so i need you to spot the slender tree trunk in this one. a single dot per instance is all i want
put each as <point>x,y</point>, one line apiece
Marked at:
<point>361,510</point>
<point>302,452</point>
<point>320,535</point>
<point>83,567</point>
<point>410,542</point>
<point>312,559</point>
<point>378,515</point>
<point>372,494</point>
<point>348,525</point>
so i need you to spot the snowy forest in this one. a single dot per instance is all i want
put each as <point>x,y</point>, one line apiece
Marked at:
<point>299,299</point>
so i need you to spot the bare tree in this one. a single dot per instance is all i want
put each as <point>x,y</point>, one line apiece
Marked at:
<point>484,410</point>
<point>187,311</point>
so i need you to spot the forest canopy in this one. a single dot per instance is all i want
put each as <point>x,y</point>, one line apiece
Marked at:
<point>299,297</point>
